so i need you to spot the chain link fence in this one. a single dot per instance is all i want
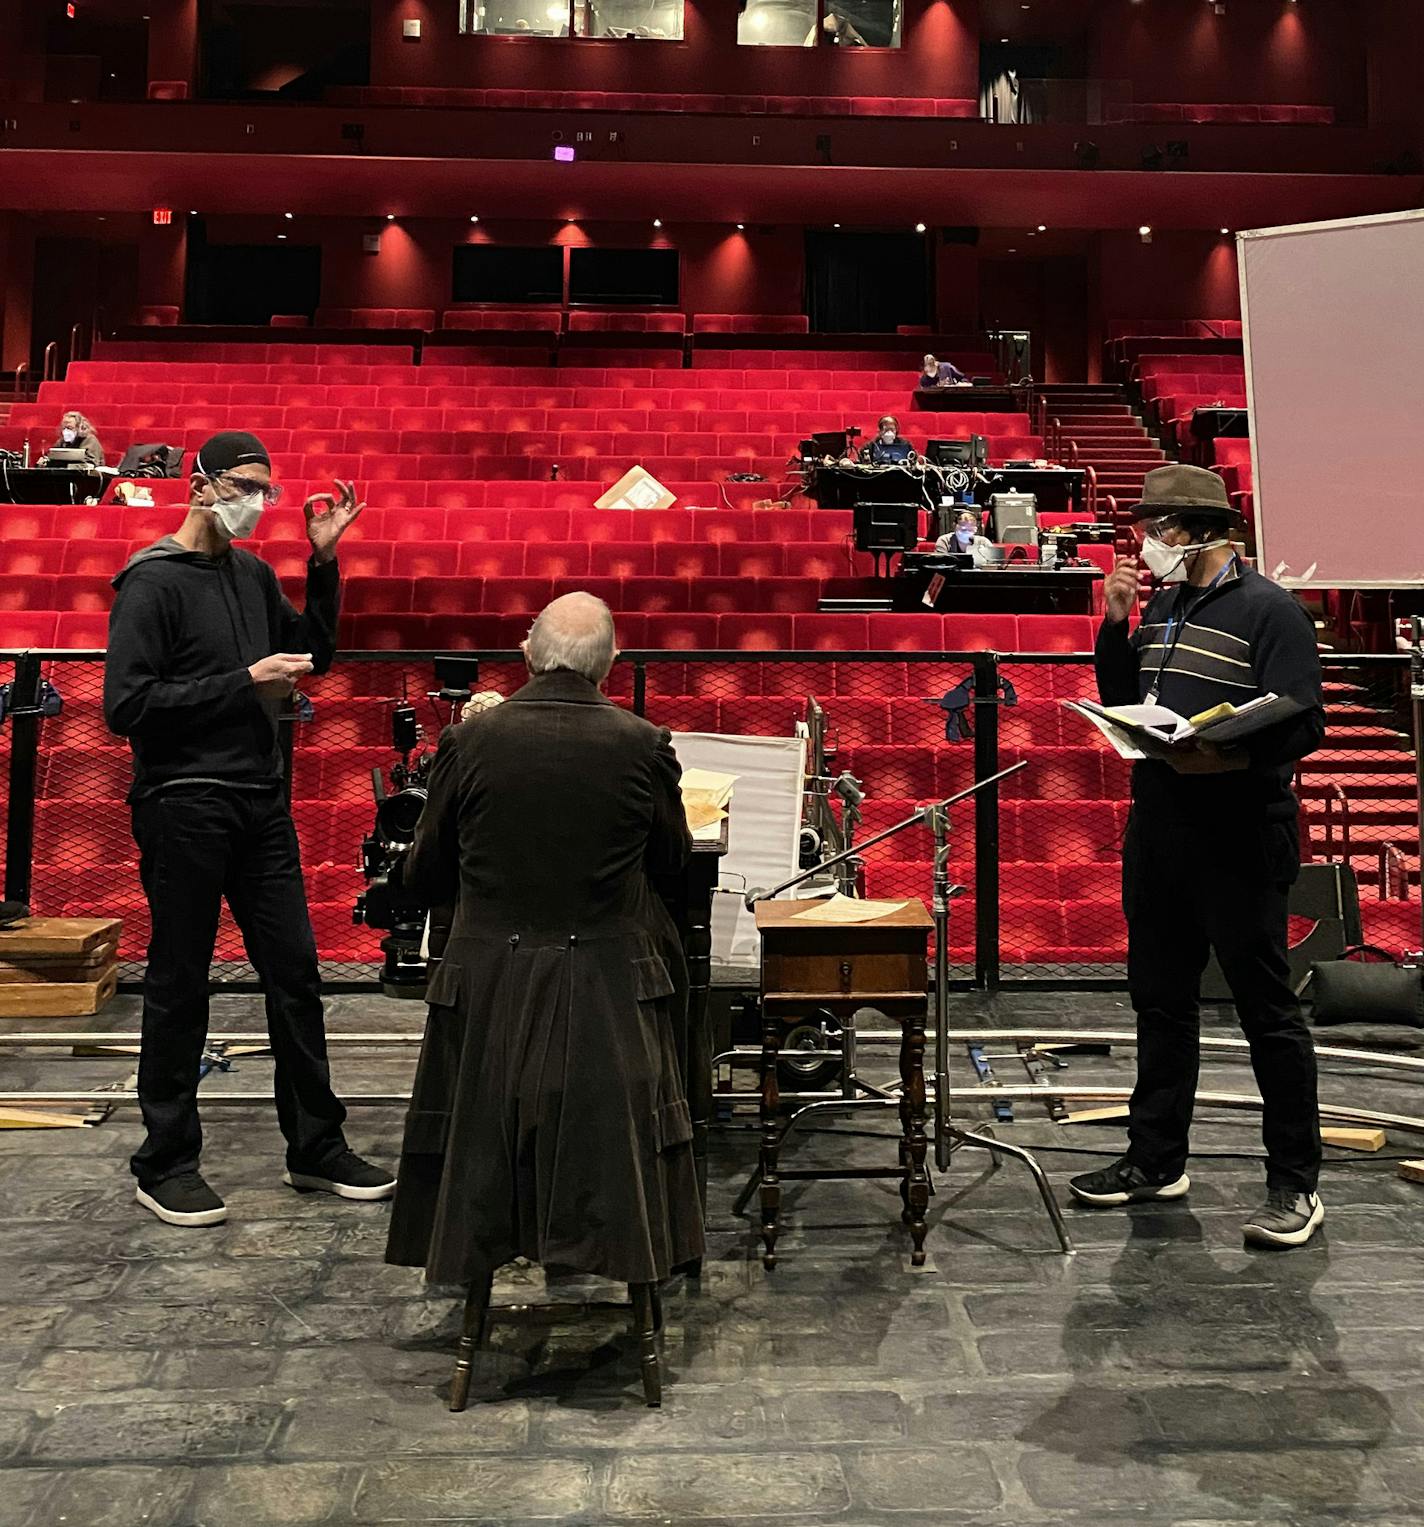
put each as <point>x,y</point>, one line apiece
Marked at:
<point>1038,858</point>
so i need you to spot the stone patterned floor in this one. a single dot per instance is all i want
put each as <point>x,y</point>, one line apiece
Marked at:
<point>274,1370</point>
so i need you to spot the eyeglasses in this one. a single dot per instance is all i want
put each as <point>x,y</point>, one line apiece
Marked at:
<point>1154,529</point>
<point>271,492</point>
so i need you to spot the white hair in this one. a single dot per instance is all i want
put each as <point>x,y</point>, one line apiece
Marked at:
<point>574,634</point>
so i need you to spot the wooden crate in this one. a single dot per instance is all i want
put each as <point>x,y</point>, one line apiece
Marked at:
<point>58,999</point>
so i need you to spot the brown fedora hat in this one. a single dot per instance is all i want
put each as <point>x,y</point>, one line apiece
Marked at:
<point>1168,489</point>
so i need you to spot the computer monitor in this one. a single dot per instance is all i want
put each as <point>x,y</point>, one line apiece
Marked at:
<point>971,452</point>
<point>834,443</point>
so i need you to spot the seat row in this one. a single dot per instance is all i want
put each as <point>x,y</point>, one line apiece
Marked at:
<point>59,534</point>
<point>671,631</point>
<point>782,369</point>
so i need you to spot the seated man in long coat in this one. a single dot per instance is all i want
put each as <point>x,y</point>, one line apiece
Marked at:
<point>549,1118</point>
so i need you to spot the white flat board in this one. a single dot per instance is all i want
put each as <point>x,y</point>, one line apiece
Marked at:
<point>763,840</point>
<point>1333,318</point>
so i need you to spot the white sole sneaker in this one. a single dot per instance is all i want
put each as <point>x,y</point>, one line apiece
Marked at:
<point>174,1217</point>
<point>1258,1235</point>
<point>1168,1190</point>
<point>312,1184</point>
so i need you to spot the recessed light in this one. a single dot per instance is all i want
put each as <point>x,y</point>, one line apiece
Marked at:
<point>281,235</point>
<point>1013,251</point>
<point>657,222</point>
<point>919,227</point>
<point>1003,39</point>
<point>1145,228</point>
<point>835,225</point>
<point>288,216</point>
<point>741,227</point>
<point>1226,230</point>
<point>390,217</point>
<point>1043,227</point>
<point>474,218</point>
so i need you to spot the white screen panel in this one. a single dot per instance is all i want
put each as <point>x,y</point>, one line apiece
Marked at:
<point>1334,325</point>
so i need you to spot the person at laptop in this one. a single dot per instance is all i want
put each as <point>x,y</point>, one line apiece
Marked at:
<point>889,447</point>
<point>965,536</point>
<point>77,434</point>
<point>936,373</point>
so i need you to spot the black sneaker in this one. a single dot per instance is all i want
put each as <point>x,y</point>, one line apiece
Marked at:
<point>183,1200</point>
<point>347,1176</point>
<point>1124,1182</point>
<point>1287,1218</point>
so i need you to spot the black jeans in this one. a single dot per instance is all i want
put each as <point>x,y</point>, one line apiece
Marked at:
<point>198,844</point>
<point>1188,891</point>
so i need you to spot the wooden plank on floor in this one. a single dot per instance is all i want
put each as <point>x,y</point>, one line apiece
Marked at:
<point>1354,1139</point>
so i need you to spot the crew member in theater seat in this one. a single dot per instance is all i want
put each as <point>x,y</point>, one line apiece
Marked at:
<point>203,652</point>
<point>889,447</point>
<point>935,374</point>
<point>77,434</point>
<point>1212,846</point>
<point>549,1118</point>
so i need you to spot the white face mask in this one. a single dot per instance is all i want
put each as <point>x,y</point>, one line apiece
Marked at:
<point>887,436</point>
<point>237,517</point>
<point>965,534</point>
<point>1168,564</point>
<point>69,436</point>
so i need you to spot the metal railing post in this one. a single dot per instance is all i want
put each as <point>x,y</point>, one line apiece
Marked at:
<point>640,688</point>
<point>986,821</point>
<point>24,717</point>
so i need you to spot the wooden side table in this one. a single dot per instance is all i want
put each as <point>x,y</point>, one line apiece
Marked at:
<point>814,967</point>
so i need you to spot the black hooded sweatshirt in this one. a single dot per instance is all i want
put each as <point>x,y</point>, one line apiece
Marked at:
<point>184,630</point>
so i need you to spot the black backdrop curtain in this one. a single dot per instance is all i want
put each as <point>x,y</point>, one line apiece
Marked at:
<point>866,283</point>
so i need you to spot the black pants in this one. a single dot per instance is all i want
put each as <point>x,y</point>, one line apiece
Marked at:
<point>1188,892</point>
<point>198,844</point>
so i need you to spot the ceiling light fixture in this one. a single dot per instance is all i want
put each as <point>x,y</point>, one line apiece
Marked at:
<point>657,222</point>
<point>390,217</point>
<point>741,227</point>
<point>288,216</point>
<point>919,227</point>
<point>474,217</point>
<point>1043,227</point>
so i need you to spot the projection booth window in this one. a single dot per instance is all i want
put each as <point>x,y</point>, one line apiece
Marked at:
<point>648,20</point>
<point>832,23</point>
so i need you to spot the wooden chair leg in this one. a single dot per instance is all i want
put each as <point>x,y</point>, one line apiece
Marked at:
<point>644,1299</point>
<point>472,1338</point>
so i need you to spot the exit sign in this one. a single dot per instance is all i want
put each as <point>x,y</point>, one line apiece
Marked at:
<point>162,216</point>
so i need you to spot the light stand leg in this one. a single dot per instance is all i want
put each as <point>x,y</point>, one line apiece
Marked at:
<point>947,1136</point>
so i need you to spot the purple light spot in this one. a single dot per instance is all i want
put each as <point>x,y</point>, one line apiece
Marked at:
<point>564,154</point>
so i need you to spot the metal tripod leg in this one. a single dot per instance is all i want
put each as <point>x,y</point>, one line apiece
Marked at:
<point>826,1105</point>
<point>1045,1188</point>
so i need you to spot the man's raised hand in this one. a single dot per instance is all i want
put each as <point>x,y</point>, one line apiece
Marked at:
<point>325,528</point>
<point>1120,590</point>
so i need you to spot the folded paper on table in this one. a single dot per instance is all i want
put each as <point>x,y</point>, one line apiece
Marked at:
<point>846,909</point>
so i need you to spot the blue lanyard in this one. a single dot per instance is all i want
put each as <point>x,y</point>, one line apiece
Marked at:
<point>1177,623</point>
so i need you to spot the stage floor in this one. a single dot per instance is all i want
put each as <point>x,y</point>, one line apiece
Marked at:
<point>274,1370</point>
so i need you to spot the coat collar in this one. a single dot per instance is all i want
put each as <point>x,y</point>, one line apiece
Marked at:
<point>562,686</point>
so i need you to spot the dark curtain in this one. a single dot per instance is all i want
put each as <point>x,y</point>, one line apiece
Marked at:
<point>866,283</point>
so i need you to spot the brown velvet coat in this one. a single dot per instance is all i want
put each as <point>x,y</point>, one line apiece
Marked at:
<point>549,1117</point>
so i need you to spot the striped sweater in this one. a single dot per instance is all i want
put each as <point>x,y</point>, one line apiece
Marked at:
<point>1197,648</point>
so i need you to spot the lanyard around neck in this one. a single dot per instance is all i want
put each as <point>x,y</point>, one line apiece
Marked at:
<point>1177,624</point>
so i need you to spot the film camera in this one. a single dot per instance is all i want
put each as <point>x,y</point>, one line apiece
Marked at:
<point>385,904</point>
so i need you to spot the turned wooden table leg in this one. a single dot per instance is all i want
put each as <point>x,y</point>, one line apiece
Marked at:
<point>472,1337</point>
<point>915,1189</point>
<point>770,1136</point>
<point>646,1319</point>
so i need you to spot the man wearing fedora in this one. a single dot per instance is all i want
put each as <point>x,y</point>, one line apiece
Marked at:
<point>1212,846</point>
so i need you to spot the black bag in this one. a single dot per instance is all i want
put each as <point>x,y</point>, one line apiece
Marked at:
<point>1373,990</point>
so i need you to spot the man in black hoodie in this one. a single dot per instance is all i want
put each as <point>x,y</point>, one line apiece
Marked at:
<point>1212,846</point>
<point>203,651</point>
